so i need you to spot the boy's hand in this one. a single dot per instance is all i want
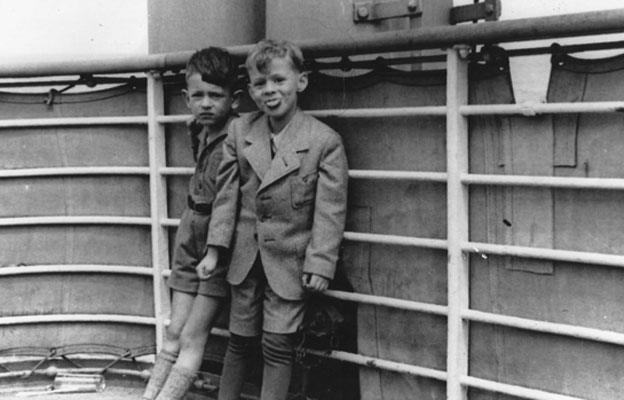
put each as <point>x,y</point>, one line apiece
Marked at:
<point>208,264</point>
<point>315,283</point>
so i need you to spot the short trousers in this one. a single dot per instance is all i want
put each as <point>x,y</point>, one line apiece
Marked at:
<point>256,307</point>
<point>190,248</point>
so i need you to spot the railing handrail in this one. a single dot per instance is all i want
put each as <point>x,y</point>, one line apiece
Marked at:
<point>558,26</point>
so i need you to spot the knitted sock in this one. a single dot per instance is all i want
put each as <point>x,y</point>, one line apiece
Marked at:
<point>160,371</point>
<point>178,383</point>
<point>277,350</point>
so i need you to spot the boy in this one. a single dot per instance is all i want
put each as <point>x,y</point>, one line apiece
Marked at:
<point>281,209</point>
<point>211,96</point>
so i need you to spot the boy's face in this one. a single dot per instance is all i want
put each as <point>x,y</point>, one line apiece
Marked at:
<point>210,104</point>
<point>275,90</point>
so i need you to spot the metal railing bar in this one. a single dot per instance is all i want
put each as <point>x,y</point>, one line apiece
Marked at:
<point>170,222</point>
<point>389,302</point>
<point>77,121</point>
<point>158,200</point>
<point>388,112</point>
<point>377,112</point>
<point>354,174</point>
<point>379,363</point>
<point>28,373</point>
<point>580,332</point>
<point>611,260</point>
<point>90,268</point>
<point>513,390</point>
<point>457,229</point>
<point>373,238</point>
<point>174,119</point>
<point>532,108</point>
<point>70,171</point>
<point>527,109</point>
<point>74,220</point>
<point>173,171</point>
<point>224,333</point>
<point>51,318</point>
<point>424,176</point>
<point>516,30</point>
<point>376,238</point>
<point>558,26</point>
<point>544,181</point>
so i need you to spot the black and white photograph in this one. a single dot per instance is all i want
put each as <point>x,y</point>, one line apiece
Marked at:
<point>312,199</point>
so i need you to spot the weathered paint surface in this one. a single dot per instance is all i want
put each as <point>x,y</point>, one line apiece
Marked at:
<point>177,25</point>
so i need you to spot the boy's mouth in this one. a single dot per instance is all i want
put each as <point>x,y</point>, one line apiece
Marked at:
<point>272,103</point>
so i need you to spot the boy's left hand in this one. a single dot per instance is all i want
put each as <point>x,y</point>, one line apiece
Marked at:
<point>315,283</point>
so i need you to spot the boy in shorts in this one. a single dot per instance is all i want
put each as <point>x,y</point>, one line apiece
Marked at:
<point>211,96</point>
<point>281,210</point>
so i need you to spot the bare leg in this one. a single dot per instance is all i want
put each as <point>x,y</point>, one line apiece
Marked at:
<point>192,342</point>
<point>180,309</point>
<point>196,331</point>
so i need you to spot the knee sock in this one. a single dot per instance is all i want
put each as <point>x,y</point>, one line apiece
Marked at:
<point>277,350</point>
<point>238,357</point>
<point>177,384</point>
<point>160,371</point>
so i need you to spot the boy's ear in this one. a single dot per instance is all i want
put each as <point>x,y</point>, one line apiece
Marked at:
<point>302,83</point>
<point>185,94</point>
<point>236,97</point>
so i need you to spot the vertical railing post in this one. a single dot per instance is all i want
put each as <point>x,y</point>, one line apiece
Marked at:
<point>158,200</point>
<point>457,222</point>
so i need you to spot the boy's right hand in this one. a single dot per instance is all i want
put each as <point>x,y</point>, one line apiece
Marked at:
<point>208,264</point>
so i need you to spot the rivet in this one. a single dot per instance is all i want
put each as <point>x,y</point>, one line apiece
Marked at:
<point>362,12</point>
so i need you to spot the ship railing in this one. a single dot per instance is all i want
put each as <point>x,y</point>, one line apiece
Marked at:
<point>456,40</point>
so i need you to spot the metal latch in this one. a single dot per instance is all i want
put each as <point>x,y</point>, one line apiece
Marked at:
<point>489,10</point>
<point>369,11</point>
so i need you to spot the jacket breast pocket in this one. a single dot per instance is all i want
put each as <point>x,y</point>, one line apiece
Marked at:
<point>303,189</point>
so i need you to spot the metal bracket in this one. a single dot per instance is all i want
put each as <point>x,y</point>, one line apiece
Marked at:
<point>370,11</point>
<point>489,10</point>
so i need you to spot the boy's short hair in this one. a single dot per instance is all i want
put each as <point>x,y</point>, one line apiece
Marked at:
<point>215,65</point>
<point>267,50</point>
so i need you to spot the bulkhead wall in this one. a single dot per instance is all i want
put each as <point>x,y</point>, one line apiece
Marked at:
<point>178,25</point>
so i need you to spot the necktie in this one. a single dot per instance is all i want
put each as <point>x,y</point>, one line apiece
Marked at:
<point>273,149</point>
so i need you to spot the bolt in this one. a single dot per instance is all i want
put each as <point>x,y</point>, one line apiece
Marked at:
<point>362,12</point>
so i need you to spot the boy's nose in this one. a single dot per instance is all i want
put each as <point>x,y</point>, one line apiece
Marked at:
<point>269,87</point>
<point>206,102</point>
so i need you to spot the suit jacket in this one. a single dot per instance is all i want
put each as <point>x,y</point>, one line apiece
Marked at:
<point>290,209</point>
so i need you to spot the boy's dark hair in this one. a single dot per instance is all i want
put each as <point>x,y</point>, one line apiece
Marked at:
<point>215,66</point>
<point>267,49</point>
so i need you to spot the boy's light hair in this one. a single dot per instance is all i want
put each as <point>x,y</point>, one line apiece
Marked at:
<point>215,66</point>
<point>267,50</point>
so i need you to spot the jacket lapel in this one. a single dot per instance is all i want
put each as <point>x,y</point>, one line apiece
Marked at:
<point>286,160</point>
<point>258,151</point>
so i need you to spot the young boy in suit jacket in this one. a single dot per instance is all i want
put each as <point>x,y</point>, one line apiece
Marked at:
<point>281,209</point>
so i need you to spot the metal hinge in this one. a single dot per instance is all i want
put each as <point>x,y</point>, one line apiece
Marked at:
<point>489,10</point>
<point>369,11</point>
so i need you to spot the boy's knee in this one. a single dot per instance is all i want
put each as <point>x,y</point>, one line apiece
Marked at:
<point>242,344</point>
<point>173,333</point>
<point>277,348</point>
